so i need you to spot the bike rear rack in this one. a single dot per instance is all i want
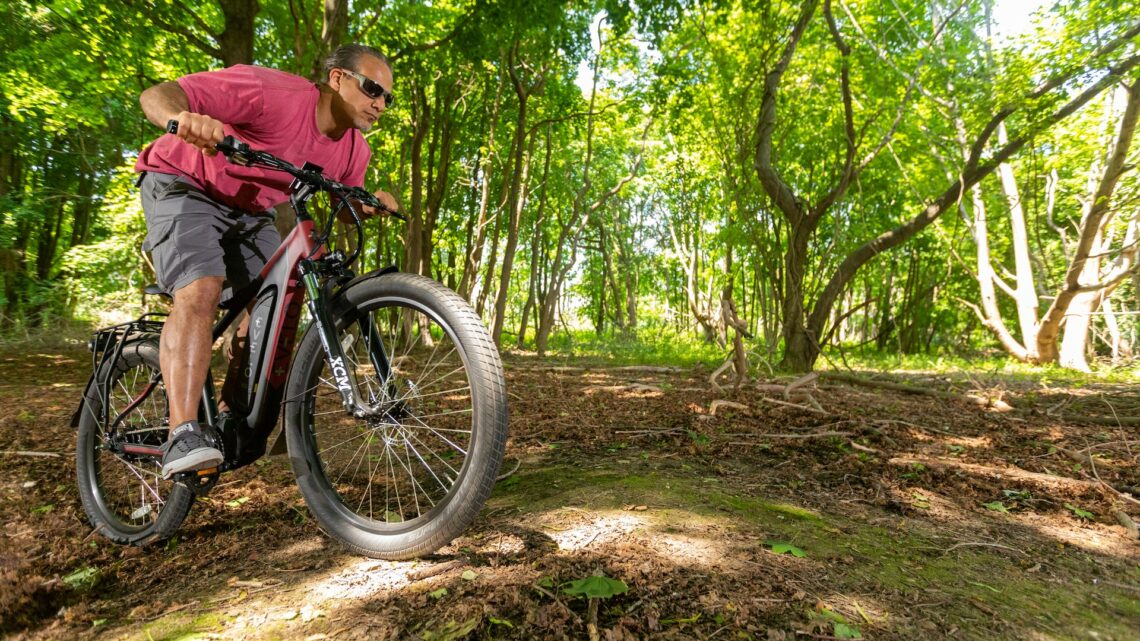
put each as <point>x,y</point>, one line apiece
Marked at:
<point>107,345</point>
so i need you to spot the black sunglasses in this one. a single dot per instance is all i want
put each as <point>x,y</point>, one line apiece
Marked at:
<point>371,88</point>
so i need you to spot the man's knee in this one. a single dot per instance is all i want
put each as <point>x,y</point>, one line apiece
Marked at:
<point>201,296</point>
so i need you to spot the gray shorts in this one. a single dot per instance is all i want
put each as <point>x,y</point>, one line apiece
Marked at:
<point>189,236</point>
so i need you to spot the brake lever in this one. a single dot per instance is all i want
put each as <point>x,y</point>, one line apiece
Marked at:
<point>371,200</point>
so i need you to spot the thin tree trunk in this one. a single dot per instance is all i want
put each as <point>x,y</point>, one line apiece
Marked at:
<point>483,175</point>
<point>1083,273</point>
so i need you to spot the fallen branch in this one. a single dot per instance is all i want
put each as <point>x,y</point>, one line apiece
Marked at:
<point>435,569</point>
<point>1130,421</point>
<point>25,453</point>
<point>980,544</point>
<point>795,405</point>
<point>507,475</point>
<point>632,387</point>
<point>812,435</point>
<point>652,430</point>
<point>719,403</point>
<point>720,370</point>
<point>800,382</point>
<point>993,403</point>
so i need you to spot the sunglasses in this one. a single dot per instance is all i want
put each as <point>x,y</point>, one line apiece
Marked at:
<point>371,88</point>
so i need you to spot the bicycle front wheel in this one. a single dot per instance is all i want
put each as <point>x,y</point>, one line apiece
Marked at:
<point>124,494</point>
<point>410,477</point>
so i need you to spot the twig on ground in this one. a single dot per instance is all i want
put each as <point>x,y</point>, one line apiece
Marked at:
<point>800,382</point>
<point>555,598</point>
<point>993,403</point>
<point>812,435</point>
<point>716,374</point>
<point>631,387</point>
<point>1117,584</point>
<point>909,424</point>
<point>1096,475</point>
<point>1130,421</point>
<point>506,475</point>
<point>981,544</point>
<point>172,611</point>
<point>795,405</point>
<point>863,448</point>
<point>435,569</point>
<point>1109,444</point>
<point>26,453</point>
<point>719,403</point>
<point>652,432</point>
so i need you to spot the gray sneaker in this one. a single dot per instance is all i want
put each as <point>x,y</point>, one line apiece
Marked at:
<point>188,449</point>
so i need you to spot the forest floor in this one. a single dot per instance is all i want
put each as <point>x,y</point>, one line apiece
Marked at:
<point>882,514</point>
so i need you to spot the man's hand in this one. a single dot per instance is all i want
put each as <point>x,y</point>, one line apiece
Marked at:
<point>368,211</point>
<point>385,199</point>
<point>200,130</point>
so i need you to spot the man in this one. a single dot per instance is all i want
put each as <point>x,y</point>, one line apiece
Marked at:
<point>210,223</point>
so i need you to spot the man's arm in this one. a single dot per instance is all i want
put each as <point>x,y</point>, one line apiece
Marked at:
<point>167,101</point>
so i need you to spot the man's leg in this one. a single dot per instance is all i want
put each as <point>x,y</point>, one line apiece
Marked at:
<point>186,346</point>
<point>184,356</point>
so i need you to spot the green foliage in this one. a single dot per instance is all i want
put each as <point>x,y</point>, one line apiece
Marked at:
<point>641,206</point>
<point>82,579</point>
<point>1079,513</point>
<point>595,587</point>
<point>779,547</point>
<point>996,506</point>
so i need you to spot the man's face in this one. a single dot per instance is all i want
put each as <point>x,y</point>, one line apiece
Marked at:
<point>363,109</point>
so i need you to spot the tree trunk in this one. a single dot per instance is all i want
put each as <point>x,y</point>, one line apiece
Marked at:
<point>1025,291</point>
<point>535,245</point>
<point>518,182</point>
<point>235,42</point>
<point>1083,275</point>
<point>413,233</point>
<point>474,255</point>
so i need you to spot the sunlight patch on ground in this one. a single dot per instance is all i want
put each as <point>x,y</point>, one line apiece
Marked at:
<point>1094,538</point>
<point>690,550</point>
<point>594,532</point>
<point>971,441</point>
<point>361,578</point>
<point>929,504</point>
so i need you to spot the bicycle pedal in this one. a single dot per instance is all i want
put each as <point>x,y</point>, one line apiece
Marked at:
<point>208,471</point>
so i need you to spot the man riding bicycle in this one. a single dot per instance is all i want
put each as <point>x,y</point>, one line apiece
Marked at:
<point>210,224</point>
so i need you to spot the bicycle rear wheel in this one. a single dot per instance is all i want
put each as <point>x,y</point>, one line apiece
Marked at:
<point>124,495</point>
<point>406,480</point>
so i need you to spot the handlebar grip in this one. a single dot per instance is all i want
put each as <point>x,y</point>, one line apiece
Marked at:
<point>171,126</point>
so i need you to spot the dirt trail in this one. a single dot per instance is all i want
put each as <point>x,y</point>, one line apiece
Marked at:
<point>914,517</point>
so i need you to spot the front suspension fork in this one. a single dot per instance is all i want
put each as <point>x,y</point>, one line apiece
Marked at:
<point>343,376</point>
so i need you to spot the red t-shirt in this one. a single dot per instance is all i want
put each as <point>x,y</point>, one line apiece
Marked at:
<point>271,110</point>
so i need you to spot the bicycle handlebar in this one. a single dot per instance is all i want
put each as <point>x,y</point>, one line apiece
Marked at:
<point>240,153</point>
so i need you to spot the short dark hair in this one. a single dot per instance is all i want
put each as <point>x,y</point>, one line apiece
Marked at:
<point>347,57</point>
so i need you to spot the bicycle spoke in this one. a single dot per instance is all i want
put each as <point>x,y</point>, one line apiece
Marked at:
<point>424,420</point>
<point>435,431</point>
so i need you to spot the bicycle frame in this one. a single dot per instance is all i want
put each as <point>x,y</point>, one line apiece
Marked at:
<point>292,274</point>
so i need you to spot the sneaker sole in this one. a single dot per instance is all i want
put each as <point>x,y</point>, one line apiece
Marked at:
<point>192,462</point>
